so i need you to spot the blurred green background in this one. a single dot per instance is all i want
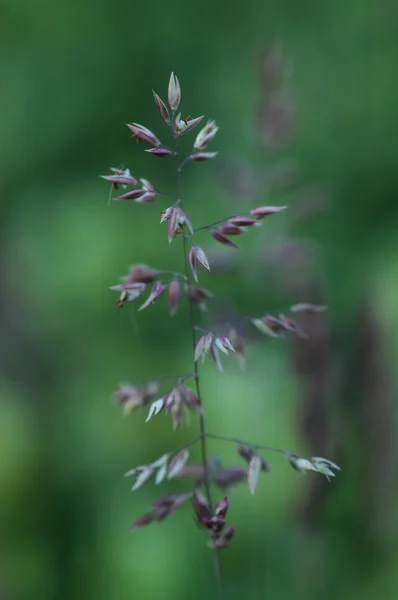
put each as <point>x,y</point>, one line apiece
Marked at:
<point>72,75</point>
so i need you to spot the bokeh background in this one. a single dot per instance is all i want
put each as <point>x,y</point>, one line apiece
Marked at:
<point>72,75</point>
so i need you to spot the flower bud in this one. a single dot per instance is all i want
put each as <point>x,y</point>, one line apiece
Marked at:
<point>174,92</point>
<point>173,223</point>
<point>120,177</point>
<point>226,342</point>
<point>173,398</point>
<point>191,400</point>
<point>182,126</point>
<point>166,214</point>
<point>183,220</point>
<point>177,221</point>
<point>202,257</point>
<point>201,508</point>
<point>161,151</point>
<point>315,463</point>
<point>238,344</point>
<point>269,325</point>
<point>292,326</point>
<point>205,135</point>
<point>223,541</point>
<point>147,193</point>
<point>193,262</point>
<point>133,286</point>
<point>222,508</point>
<point>214,353</point>
<point>231,229</point>
<point>144,134</point>
<point>309,308</point>
<point>144,520</point>
<point>174,297</point>
<point>202,156</point>
<point>129,292</point>
<point>141,274</point>
<point>247,454</point>
<point>132,195</point>
<point>200,348</point>
<point>162,108</point>
<point>188,125</point>
<point>197,295</point>
<point>208,341</point>
<point>129,397</point>
<point>179,415</point>
<point>242,221</point>
<point>220,237</point>
<point>157,290</point>
<point>264,211</point>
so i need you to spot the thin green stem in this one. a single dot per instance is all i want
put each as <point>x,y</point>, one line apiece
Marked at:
<point>211,225</point>
<point>184,162</point>
<point>214,224</point>
<point>173,274</point>
<point>165,195</point>
<point>203,330</point>
<point>224,438</point>
<point>183,377</point>
<point>202,425</point>
<point>203,434</point>
<point>189,445</point>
